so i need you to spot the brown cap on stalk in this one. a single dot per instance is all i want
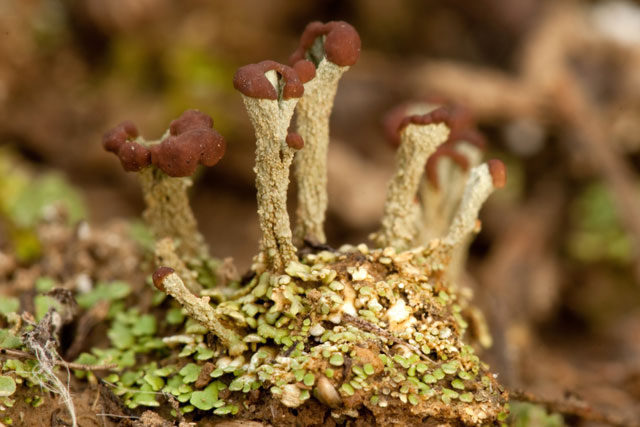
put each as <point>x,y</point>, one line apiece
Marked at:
<point>439,115</point>
<point>159,275</point>
<point>251,81</point>
<point>398,118</point>
<point>341,44</point>
<point>457,118</point>
<point>192,141</point>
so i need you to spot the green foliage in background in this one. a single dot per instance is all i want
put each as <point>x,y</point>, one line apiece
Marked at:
<point>42,193</point>
<point>26,199</point>
<point>530,415</point>
<point>597,234</point>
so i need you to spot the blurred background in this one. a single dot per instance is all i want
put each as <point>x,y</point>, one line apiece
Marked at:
<point>554,85</point>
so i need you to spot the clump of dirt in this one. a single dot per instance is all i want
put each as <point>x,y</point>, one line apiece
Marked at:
<point>76,257</point>
<point>94,405</point>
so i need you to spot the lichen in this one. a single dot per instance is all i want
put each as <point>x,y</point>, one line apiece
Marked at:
<point>270,119</point>
<point>399,223</point>
<point>356,332</point>
<point>168,213</point>
<point>352,332</point>
<point>356,327</point>
<point>313,112</point>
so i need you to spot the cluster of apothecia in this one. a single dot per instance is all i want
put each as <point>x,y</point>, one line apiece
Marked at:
<point>191,141</point>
